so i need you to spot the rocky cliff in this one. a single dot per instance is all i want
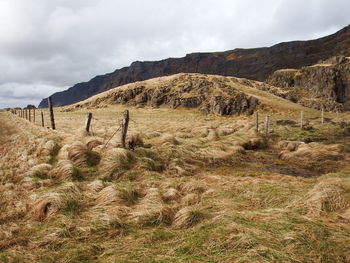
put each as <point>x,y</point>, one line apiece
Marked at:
<point>323,85</point>
<point>254,64</point>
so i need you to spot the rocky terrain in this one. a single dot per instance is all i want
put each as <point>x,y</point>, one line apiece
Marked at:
<point>208,93</point>
<point>256,64</point>
<point>323,85</point>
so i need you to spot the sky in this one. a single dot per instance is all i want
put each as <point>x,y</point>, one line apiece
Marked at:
<point>49,45</point>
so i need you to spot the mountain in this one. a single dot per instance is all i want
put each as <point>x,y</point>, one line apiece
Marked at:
<point>255,63</point>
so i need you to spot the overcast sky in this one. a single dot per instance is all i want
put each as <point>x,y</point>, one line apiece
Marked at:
<point>49,45</point>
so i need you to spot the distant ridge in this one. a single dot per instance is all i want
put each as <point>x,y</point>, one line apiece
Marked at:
<point>255,63</point>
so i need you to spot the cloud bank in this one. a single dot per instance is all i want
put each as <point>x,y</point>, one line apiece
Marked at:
<point>48,46</point>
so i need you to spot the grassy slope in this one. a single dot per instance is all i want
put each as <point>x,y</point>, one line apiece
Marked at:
<point>244,206</point>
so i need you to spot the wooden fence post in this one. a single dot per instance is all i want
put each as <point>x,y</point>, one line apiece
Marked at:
<point>267,124</point>
<point>124,127</point>
<point>88,121</point>
<point>26,114</point>
<point>257,121</point>
<point>52,118</point>
<point>42,119</point>
<point>29,115</point>
<point>301,119</point>
<point>34,115</point>
<point>322,116</point>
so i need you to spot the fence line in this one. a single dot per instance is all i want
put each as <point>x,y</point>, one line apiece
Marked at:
<point>26,114</point>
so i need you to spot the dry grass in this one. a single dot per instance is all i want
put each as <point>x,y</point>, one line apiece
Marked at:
<point>188,217</point>
<point>115,161</point>
<point>40,171</point>
<point>329,195</point>
<point>151,210</point>
<point>312,151</point>
<point>196,188</point>
<point>65,170</point>
<point>81,156</point>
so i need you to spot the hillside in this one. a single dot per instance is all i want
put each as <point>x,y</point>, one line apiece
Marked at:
<point>207,93</point>
<point>256,64</point>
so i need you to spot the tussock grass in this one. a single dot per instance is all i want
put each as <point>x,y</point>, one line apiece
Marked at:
<point>329,195</point>
<point>81,156</point>
<point>188,217</point>
<point>128,193</point>
<point>40,171</point>
<point>67,199</point>
<point>95,186</point>
<point>65,170</point>
<point>115,162</point>
<point>151,211</point>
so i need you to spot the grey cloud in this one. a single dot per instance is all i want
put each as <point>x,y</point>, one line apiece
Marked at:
<point>46,46</point>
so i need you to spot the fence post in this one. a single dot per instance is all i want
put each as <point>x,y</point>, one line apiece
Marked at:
<point>52,118</point>
<point>34,115</point>
<point>42,119</point>
<point>322,116</point>
<point>267,124</point>
<point>29,115</point>
<point>124,127</point>
<point>26,114</point>
<point>257,121</point>
<point>301,119</point>
<point>88,121</point>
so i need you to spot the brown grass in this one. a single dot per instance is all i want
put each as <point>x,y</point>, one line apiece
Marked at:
<point>81,156</point>
<point>329,195</point>
<point>188,217</point>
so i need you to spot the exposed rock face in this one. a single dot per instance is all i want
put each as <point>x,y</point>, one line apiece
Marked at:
<point>324,85</point>
<point>256,64</point>
<point>207,93</point>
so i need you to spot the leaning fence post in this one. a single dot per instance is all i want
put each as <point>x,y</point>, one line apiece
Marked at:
<point>88,121</point>
<point>267,124</point>
<point>337,115</point>
<point>124,127</point>
<point>322,116</point>
<point>301,119</point>
<point>42,119</point>
<point>257,121</point>
<point>52,118</point>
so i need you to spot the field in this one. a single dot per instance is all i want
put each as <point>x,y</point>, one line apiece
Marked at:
<point>196,188</point>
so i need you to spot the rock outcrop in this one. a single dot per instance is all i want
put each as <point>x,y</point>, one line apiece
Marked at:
<point>210,94</point>
<point>323,85</point>
<point>256,64</point>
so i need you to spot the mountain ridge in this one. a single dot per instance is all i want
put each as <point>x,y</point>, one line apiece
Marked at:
<point>252,63</point>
